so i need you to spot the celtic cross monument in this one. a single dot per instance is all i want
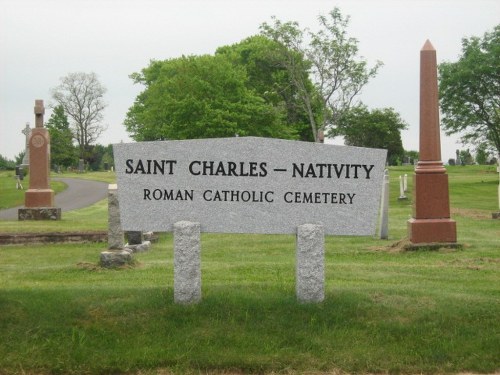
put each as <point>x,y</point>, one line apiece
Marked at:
<point>39,198</point>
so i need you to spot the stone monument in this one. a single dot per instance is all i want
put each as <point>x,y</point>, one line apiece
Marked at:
<point>26,159</point>
<point>431,221</point>
<point>39,198</point>
<point>248,185</point>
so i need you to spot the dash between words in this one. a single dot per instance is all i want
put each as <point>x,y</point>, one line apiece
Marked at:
<point>249,169</point>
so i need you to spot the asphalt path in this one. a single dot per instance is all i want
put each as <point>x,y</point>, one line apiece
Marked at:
<point>79,193</point>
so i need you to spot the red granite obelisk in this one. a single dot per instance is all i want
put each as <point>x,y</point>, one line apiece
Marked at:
<point>431,221</point>
<point>39,198</point>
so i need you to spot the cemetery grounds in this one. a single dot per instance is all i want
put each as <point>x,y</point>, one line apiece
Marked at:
<point>386,310</point>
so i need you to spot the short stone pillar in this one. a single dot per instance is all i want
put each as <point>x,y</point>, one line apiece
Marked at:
<point>187,262</point>
<point>136,242</point>
<point>115,258</point>
<point>115,232</point>
<point>310,263</point>
<point>135,237</point>
<point>384,208</point>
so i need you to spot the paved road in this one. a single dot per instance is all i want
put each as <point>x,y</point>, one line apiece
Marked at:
<point>80,193</point>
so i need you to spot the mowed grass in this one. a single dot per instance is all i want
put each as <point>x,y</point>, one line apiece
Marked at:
<point>10,196</point>
<point>385,311</point>
<point>92,218</point>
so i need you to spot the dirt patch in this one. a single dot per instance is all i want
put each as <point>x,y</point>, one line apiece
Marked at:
<point>471,213</point>
<point>52,237</point>
<point>404,245</point>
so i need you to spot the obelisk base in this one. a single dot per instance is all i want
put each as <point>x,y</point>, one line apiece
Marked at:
<point>39,213</point>
<point>428,231</point>
<point>39,198</point>
<point>39,205</point>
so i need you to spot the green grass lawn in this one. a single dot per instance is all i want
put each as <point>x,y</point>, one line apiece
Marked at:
<point>10,196</point>
<point>385,311</point>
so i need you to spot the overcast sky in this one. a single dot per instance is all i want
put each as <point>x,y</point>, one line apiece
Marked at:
<point>44,40</point>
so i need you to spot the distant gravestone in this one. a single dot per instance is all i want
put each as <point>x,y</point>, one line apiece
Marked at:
<point>26,159</point>
<point>81,166</point>
<point>135,237</point>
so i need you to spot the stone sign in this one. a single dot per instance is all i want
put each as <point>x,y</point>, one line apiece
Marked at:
<point>249,185</point>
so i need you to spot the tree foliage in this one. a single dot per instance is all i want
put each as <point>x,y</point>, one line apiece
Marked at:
<point>100,155</point>
<point>331,58</point>
<point>200,97</point>
<point>5,163</point>
<point>81,96</point>
<point>270,80</point>
<point>379,128</point>
<point>62,151</point>
<point>470,91</point>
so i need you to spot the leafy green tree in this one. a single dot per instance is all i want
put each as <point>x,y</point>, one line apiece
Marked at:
<point>200,97</point>
<point>270,80</point>
<point>470,91</point>
<point>19,157</point>
<point>379,128</point>
<point>6,163</point>
<point>482,155</point>
<point>331,59</point>
<point>62,151</point>
<point>99,155</point>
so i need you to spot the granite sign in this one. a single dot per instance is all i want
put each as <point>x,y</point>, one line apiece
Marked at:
<point>249,185</point>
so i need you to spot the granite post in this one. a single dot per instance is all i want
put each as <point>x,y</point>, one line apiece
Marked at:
<point>187,262</point>
<point>384,208</point>
<point>115,232</point>
<point>39,198</point>
<point>310,263</point>
<point>431,221</point>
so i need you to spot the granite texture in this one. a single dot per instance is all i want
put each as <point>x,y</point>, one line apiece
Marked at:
<point>115,258</point>
<point>140,247</point>
<point>187,262</point>
<point>115,232</point>
<point>39,213</point>
<point>310,263</point>
<point>254,185</point>
<point>135,237</point>
<point>384,208</point>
